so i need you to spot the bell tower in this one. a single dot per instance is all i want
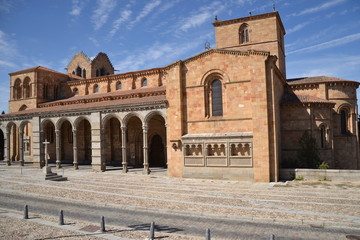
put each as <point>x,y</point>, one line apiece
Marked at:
<point>264,32</point>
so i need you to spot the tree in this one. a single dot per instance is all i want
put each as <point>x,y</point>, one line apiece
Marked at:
<point>308,155</point>
<point>3,112</point>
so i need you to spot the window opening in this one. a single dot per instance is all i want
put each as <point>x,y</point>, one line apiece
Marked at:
<point>216,98</point>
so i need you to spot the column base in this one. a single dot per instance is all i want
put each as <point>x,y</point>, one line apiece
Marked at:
<point>8,163</point>
<point>22,163</point>
<point>76,166</point>
<point>58,164</point>
<point>125,168</point>
<point>98,167</point>
<point>146,170</point>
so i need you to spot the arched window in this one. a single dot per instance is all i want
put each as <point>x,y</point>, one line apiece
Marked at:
<point>84,73</point>
<point>344,121</point>
<point>97,72</point>
<point>144,82</point>
<point>118,86</point>
<point>76,91</point>
<point>96,88</point>
<point>216,98</point>
<point>102,71</point>
<point>78,71</point>
<point>23,107</point>
<point>244,33</point>
<point>27,88</point>
<point>322,136</point>
<point>17,89</point>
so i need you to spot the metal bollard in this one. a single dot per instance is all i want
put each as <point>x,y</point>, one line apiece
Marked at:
<point>207,234</point>
<point>272,237</point>
<point>152,231</point>
<point>61,217</point>
<point>26,212</point>
<point>102,224</point>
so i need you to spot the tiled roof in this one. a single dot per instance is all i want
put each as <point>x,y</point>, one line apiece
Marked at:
<point>317,79</point>
<point>37,68</point>
<point>291,97</point>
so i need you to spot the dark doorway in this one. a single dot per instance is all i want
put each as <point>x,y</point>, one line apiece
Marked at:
<point>1,145</point>
<point>157,152</point>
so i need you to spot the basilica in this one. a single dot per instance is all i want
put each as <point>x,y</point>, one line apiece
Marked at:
<point>225,113</point>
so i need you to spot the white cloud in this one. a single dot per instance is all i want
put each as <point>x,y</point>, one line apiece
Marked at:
<point>102,12</point>
<point>124,16</point>
<point>319,7</point>
<point>329,44</point>
<point>201,16</point>
<point>94,41</point>
<point>148,8</point>
<point>77,7</point>
<point>7,64</point>
<point>5,5</point>
<point>297,27</point>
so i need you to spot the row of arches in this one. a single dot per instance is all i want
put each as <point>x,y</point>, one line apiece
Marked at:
<point>22,89</point>
<point>132,140</point>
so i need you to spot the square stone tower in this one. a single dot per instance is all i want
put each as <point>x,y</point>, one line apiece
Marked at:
<point>264,32</point>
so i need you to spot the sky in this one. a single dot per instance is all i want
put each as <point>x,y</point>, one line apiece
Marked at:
<point>322,36</point>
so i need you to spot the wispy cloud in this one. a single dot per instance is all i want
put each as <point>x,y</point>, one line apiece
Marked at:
<point>124,16</point>
<point>148,8</point>
<point>319,7</point>
<point>329,44</point>
<point>77,7</point>
<point>159,54</point>
<point>8,51</point>
<point>5,5</point>
<point>201,16</point>
<point>94,41</point>
<point>102,12</point>
<point>298,27</point>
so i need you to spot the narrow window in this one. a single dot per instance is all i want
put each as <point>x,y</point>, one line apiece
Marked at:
<point>76,91</point>
<point>216,98</point>
<point>102,71</point>
<point>119,86</point>
<point>322,136</point>
<point>84,73</point>
<point>97,73</point>
<point>343,121</point>
<point>244,34</point>
<point>96,88</point>
<point>144,82</point>
<point>78,71</point>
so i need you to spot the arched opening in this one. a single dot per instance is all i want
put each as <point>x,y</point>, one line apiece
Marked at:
<point>27,88</point>
<point>113,153</point>
<point>76,92</point>
<point>17,89</point>
<point>84,73</point>
<point>144,82</point>
<point>244,33</point>
<point>216,98</point>
<point>83,137</point>
<point>27,141</point>
<point>118,86</point>
<point>66,142</point>
<point>322,136</point>
<point>96,88</point>
<point>157,141</point>
<point>134,139</point>
<point>344,121</point>
<point>49,136</point>
<point>23,107</point>
<point>78,71</point>
<point>2,150</point>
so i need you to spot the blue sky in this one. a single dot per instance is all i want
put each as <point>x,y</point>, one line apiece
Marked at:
<point>323,36</point>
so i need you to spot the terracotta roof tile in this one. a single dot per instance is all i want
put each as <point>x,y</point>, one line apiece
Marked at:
<point>36,68</point>
<point>291,97</point>
<point>317,79</point>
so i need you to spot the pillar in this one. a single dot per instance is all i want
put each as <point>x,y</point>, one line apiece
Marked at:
<point>37,145</point>
<point>123,149</point>
<point>97,160</point>
<point>76,164</point>
<point>21,140</point>
<point>145,149</point>
<point>8,159</point>
<point>58,161</point>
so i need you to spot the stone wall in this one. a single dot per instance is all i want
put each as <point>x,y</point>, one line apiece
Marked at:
<point>320,174</point>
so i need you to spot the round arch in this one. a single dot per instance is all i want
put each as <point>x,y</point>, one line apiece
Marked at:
<point>154,113</point>
<point>78,120</point>
<point>109,116</point>
<point>214,74</point>
<point>61,121</point>
<point>343,106</point>
<point>130,115</point>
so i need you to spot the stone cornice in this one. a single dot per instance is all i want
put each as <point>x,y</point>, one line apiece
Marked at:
<point>309,104</point>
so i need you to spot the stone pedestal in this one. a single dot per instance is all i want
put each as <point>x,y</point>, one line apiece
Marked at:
<point>46,170</point>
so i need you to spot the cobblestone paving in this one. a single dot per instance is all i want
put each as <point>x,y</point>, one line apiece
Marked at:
<point>316,203</point>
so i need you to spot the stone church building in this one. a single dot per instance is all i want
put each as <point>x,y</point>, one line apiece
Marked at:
<point>225,113</point>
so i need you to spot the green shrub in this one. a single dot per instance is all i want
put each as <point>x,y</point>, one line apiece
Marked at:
<point>308,155</point>
<point>324,165</point>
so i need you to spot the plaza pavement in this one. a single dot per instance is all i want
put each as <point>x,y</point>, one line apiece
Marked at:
<point>183,208</point>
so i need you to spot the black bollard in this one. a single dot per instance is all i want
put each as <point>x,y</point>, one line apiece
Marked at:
<point>272,237</point>
<point>207,234</point>
<point>61,217</point>
<point>152,231</point>
<point>26,212</point>
<point>102,224</point>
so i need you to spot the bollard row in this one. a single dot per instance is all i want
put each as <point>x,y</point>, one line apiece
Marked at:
<point>102,225</point>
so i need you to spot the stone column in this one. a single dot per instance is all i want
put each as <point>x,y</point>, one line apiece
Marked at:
<point>145,148</point>
<point>21,140</point>
<point>8,158</point>
<point>97,160</point>
<point>165,146</point>
<point>123,148</point>
<point>37,139</point>
<point>58,161</point>
<point>76,164</point>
